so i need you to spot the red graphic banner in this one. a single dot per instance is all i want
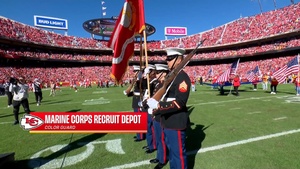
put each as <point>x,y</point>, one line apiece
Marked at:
<point>85,122</point>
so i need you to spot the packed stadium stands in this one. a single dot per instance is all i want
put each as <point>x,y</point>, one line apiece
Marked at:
<point>268,40</point>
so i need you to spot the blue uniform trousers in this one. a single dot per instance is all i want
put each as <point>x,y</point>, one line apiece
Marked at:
<point>161,153</point>
<point>175,140</point>
<point>140,136</point>
<point>150,136</point>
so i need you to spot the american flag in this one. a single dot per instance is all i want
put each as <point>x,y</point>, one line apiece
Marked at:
<point>231,71</point>
<point>291,67</point>
<point>252,73</point>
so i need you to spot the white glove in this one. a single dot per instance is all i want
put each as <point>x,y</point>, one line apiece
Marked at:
<point>146,71</point>
<point>125,92</point>
<point>152,103</point>
<point>150,111</point>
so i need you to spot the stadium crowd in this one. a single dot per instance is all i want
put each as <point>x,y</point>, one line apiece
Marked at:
<point>259,26</point>
<point>101,74</point>
<point>268,24</point>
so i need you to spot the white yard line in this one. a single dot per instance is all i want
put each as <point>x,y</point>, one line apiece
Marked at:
<point>279,118</point>
<point>255,112</point>
<point>213,148</point>
<point>236,100</point>
<point>236,108</point>
<point>6,122</point>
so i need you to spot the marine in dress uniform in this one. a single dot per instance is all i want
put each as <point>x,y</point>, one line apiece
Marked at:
<point>161,152</point>
<point>150,135</point>
<point>136,97</point>
<point>173,111</point>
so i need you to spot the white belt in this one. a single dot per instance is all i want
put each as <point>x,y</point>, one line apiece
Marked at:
<point>169,99</point>
<point>136,93</point>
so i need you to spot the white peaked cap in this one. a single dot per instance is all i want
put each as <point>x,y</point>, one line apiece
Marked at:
<point>151,67</point>
<point>36,79</point>
<point>161,67</point>
<point>175,51</point>
<point>136,67</point>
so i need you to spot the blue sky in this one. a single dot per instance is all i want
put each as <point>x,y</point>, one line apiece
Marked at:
<point>196,15</point>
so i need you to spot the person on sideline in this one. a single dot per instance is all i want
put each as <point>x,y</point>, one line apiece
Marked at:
<point>255,82</point>
<point>273,86</point>
<point>8,91</point>
<point>52,88</point>
<point>236,84</point>
<point>265,78</point>
<point>36,88</point>
<point>20,97</point>
<point>297,84</point>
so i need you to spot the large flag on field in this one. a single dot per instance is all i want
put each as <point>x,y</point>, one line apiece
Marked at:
<point>131,21</point>
<point>291,67</point>
<point>231,71</point>
<point>252,73</point>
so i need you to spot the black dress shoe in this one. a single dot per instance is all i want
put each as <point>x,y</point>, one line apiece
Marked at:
<point>149,151</point>
<point>16,122</point>
<point>159,166</point>
<point>145,148</point>
<point>155,160</point>
<point>137,140</point>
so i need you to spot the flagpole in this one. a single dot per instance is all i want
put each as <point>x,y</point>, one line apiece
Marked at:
<point>141,64</point>
<point>146,60</point>
<point>260,6</point>
<point>274,1</point>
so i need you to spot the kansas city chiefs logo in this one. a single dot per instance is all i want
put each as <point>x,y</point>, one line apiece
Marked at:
<point>30,122</point>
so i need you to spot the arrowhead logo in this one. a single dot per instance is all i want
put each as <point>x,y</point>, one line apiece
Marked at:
<point>30,122</point>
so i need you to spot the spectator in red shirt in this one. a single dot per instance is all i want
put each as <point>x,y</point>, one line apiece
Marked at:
<point>297,84</point>
<point>255,82</point>
<point>236,84</point>
<point>274,84</point>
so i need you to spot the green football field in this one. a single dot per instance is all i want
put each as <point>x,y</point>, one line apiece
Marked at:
<point>256,130</point>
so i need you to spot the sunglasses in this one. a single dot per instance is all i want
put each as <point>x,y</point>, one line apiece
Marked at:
<point>169,58</point>
<point>161,71</point>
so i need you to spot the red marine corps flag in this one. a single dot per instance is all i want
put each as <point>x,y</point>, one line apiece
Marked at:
<point>131,21</point>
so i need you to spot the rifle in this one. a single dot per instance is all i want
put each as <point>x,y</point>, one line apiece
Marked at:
<point>127,91</point>
<point>171,76</point>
